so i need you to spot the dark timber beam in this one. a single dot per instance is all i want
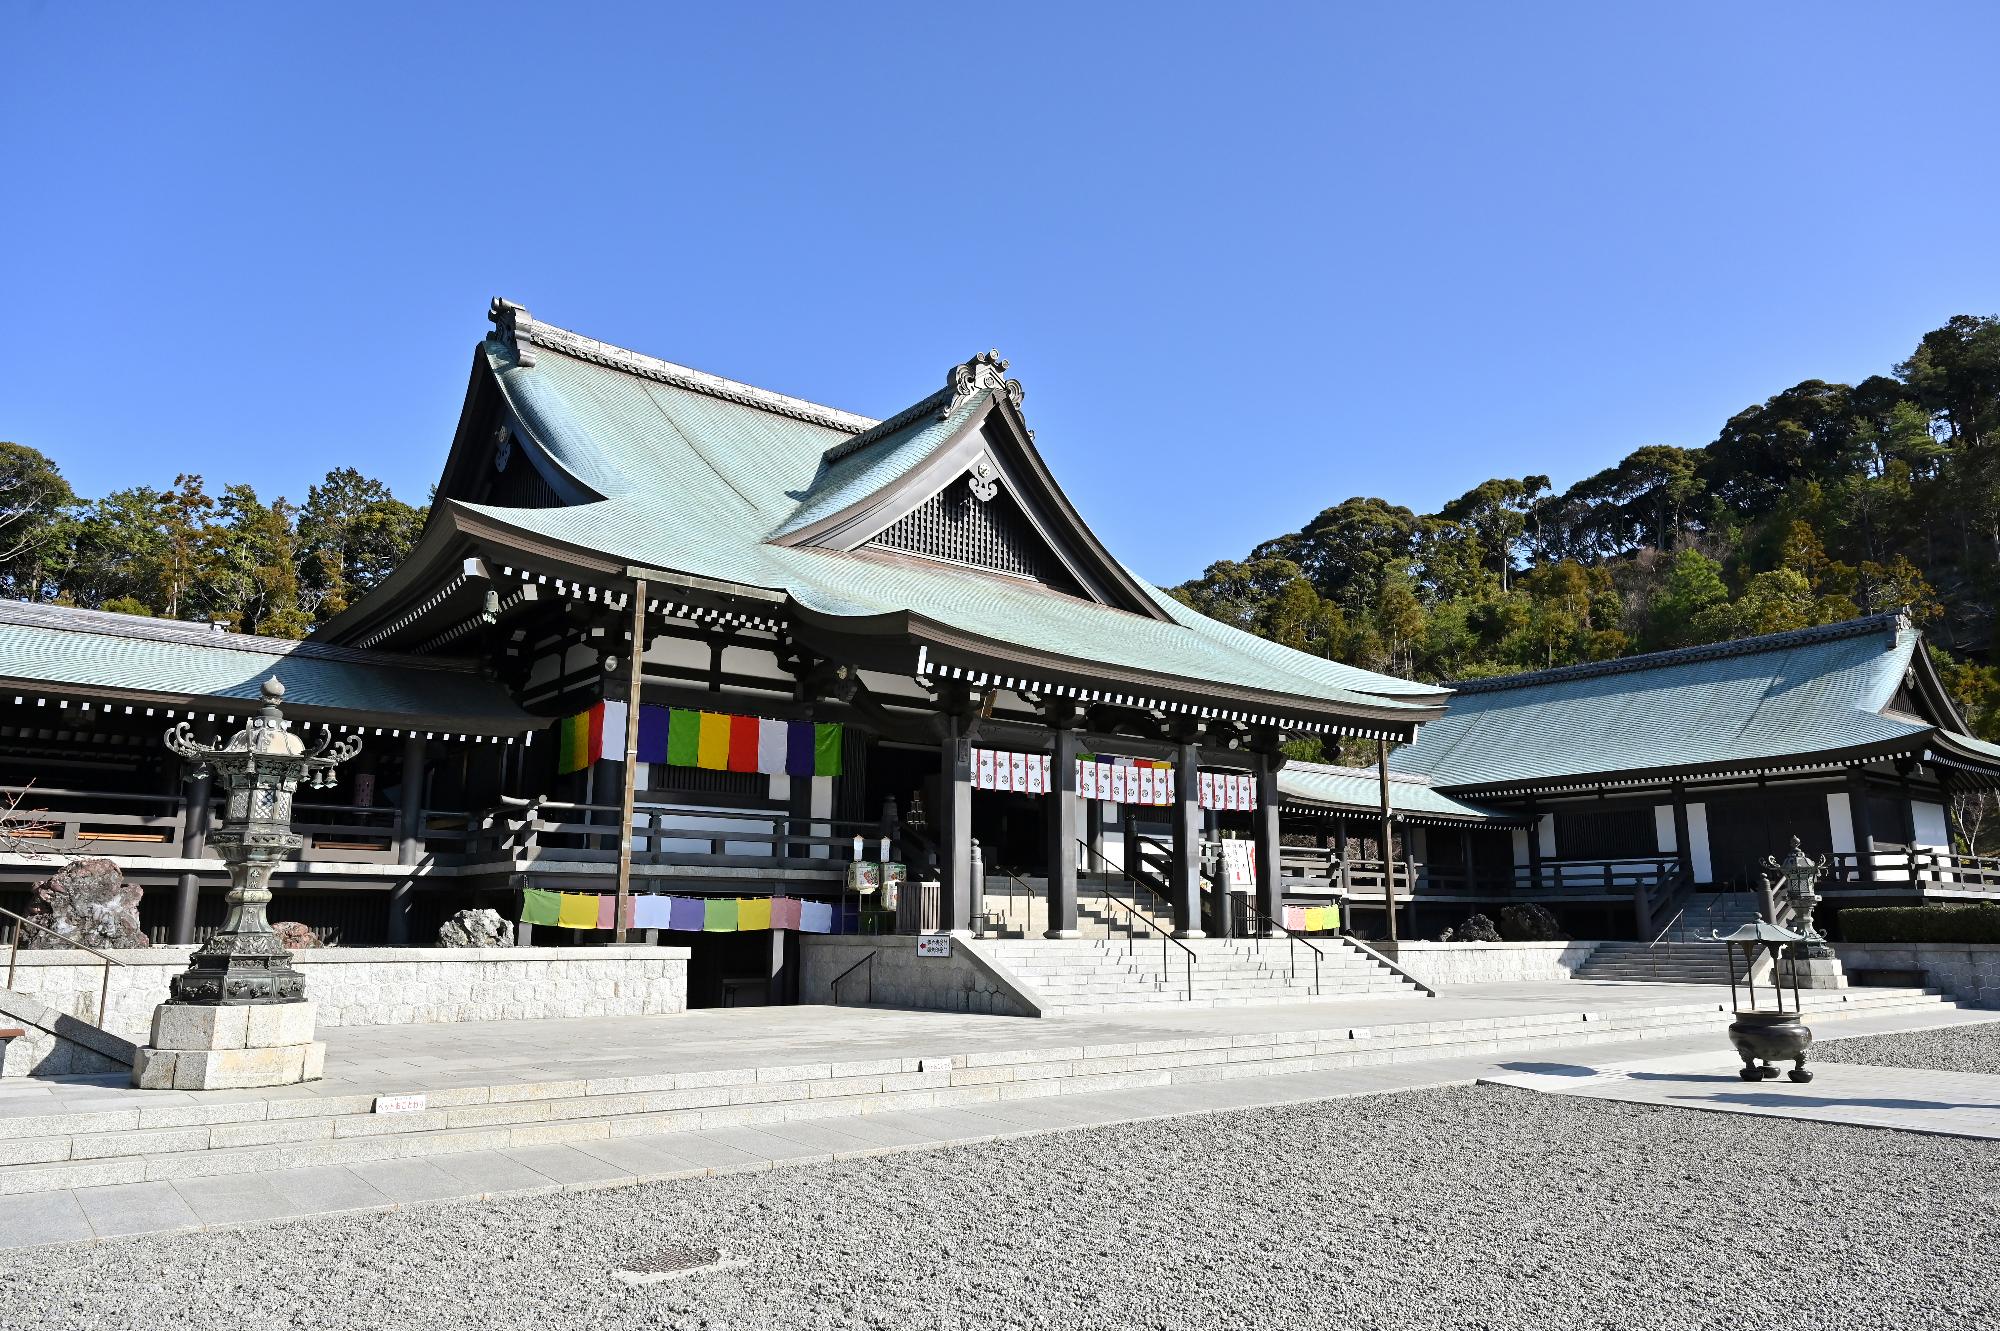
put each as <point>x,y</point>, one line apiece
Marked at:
<point>410,844</point>
<point>1864,832</point>
<point>1060,820</point>
<point>1388,838</point>
<point>194,846</point>
<point>635,674</point>
<point>1184,881</point>
<point>1270,883</point>
<point>1683,851</point>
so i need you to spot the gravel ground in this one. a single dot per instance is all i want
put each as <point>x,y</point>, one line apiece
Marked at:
<point>1478,1207</point>
<point>1946,1049</point>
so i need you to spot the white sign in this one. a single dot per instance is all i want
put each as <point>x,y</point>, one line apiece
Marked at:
<point>934,945</point>
<point>1239,864</point>
<point>400,1104</point>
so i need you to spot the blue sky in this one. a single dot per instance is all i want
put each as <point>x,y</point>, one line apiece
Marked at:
<point>1248,260</point>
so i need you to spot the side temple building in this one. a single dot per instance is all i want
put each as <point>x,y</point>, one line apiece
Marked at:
<point>668,633</point>
<point>1643,778</point>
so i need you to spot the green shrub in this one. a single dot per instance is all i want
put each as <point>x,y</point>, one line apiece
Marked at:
<point>1920,924</point>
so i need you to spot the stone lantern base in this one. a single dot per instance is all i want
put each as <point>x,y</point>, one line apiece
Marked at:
<point>213,1047</point>
<point>1817,973</point>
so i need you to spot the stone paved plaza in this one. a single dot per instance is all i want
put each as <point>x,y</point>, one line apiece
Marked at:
<point>498,1074</point>
<point>1463,1206</point>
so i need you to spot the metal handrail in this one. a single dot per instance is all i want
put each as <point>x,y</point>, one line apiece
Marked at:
<point>1028,912</point>
<point>14,953</point>
<point>1653,956</point>
<point>869,962</point>
<point>1292,953</point>
<point>1132,917</point>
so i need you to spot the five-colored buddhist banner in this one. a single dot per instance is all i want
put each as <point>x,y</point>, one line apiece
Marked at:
<point>717,741</point>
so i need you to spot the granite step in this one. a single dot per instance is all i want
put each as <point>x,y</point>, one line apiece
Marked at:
<point>231,1134</point>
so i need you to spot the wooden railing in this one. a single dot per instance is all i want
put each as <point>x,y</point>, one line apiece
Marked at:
<point>1917,866</point>
<point>94,823</point>
<point>78,820</point>
<point>1308,867</point>
<point>526,830</point>
<point>1612,877</point>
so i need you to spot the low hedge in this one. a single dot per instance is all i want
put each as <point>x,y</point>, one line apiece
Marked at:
<point>1920,924</point>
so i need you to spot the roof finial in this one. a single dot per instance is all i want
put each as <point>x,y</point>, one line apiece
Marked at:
<point>984,371</point>
<point>510,321</point>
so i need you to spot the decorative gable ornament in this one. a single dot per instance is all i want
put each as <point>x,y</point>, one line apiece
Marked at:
<point>983,479</point>
<point>503,448</point>
<point>985,371</point>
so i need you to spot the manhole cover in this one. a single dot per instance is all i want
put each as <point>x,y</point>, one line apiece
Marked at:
<point>673,1263</point>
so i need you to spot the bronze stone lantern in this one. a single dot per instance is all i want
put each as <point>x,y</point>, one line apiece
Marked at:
<point>1793,880</point>
<point>260,766</point>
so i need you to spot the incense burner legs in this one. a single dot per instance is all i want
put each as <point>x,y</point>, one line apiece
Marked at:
<point>1764,1038</point>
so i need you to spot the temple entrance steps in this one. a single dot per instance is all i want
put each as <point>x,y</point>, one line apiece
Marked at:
<point>1677,958</point>
<point>1098,975</point>
<point>1663,963</point>
<point>140,1136</point>
<point>1716,912</point>
<point>1018,907</point>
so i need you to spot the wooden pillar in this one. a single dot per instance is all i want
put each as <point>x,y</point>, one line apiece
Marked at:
<point>955,825</point>
<point>628,795</point>
<point>1864,835</point>
<point>1185,880</point>
<point>1270,883</point>
<point>1093,835</point>
<point>1388,836</point>
<point>1060,822</point>
<point>194,846</point>
<point>1683,851</point>
<point>410,842</point>
<point>1534,847</point>
<point>1471,878</point>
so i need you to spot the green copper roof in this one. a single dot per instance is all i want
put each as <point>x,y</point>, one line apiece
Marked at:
<point>696,484</point>
<point>1812,691</point>
<point>57,648</point>
<point>1358,790</point>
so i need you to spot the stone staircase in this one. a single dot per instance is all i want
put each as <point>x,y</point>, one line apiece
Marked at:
<point>1677,959</point>
<point>1019,908</point>
<point>1105,974</point>
<point>153,1135</point>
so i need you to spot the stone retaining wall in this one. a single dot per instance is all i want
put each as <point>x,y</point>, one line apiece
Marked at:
<point>966,981</point>
<point>1488,963</point>
<point>390,985</point>
<point>1968,972</point>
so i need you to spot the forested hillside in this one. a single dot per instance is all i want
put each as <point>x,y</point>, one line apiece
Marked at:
<point>1823,502</point>
<point>275,568</point>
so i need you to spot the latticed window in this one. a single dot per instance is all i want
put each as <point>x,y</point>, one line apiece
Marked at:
<point>954,526</point>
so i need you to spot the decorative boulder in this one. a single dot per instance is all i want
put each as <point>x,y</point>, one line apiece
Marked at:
<point>1475,929</point>
<point>86,901</point>
<point>476,928</point>
<point>1529,923</point>
<point>296,937</point>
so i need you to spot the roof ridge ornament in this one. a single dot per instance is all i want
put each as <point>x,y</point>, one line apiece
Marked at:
<point>511,322</point>
<point>985,371</point>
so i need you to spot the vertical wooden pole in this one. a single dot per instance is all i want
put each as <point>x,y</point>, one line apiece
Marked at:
<point>955,825</point>
<point>1388,837</point>
<point>1859,814</point>
<point>410,843</point>
<point>1184,881</point>
<point>1270,845</point>
<point>628,797</point>
<point>1061,809</point>
<point>194,846</point>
